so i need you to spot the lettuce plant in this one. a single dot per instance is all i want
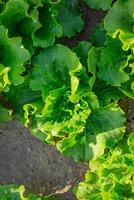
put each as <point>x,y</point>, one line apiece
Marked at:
<point>69,97</point>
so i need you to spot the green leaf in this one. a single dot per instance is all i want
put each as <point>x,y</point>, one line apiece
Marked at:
<point>12,192</point>
<point>131,142</point>
<point>107,93</point>
<point>24,102</point>
<point>8,16</point>
<point>5,114</point>
<point>82,50</point>
<point>54,68</point>
<point>33,8</point>
<point>97,4</point>
<point>61,118</point>
<point>12,17</point>
<point>30,109</point>
<point>128,88</point>
<point>60,121</point>
<point>13,55</point>
<point>50,28</point>
<point>70,18</point>
<point>98,35</point>
<point>112,64</point>
<point>38,22</point>
<point>92,63</point>
<point>122,17</point>
<point>110,177</point>
<point>105,127</point>
<point>88,135</point>
<point>4,79</point>
<point>74,127</point>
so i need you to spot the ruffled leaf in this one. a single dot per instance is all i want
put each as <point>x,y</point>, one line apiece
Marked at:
<point>112,64</point>
<point>50,28</point>
<point>54,68</point>
<point>122,17</point>
<point>105,127</point>
<point>4,79</point>
<point>69,17</point>
<point>13,55</point>
<point>15,13</point>
<point>110,177</point>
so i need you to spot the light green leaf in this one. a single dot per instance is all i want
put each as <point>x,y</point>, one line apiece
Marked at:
<point>12,192</point>
<point>122,17</point>
<point>131,142</point>
<point>62,119</point>
<point>5,114</point>
<point>4,79</point>
<point>110,177</point>
<point>33,108</point>
<point>105,127</point>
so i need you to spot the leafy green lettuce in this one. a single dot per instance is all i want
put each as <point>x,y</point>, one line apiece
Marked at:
<point>121,15</point>
<point>111,176</point>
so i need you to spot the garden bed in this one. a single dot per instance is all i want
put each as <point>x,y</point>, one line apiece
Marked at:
<point>25,160</point>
